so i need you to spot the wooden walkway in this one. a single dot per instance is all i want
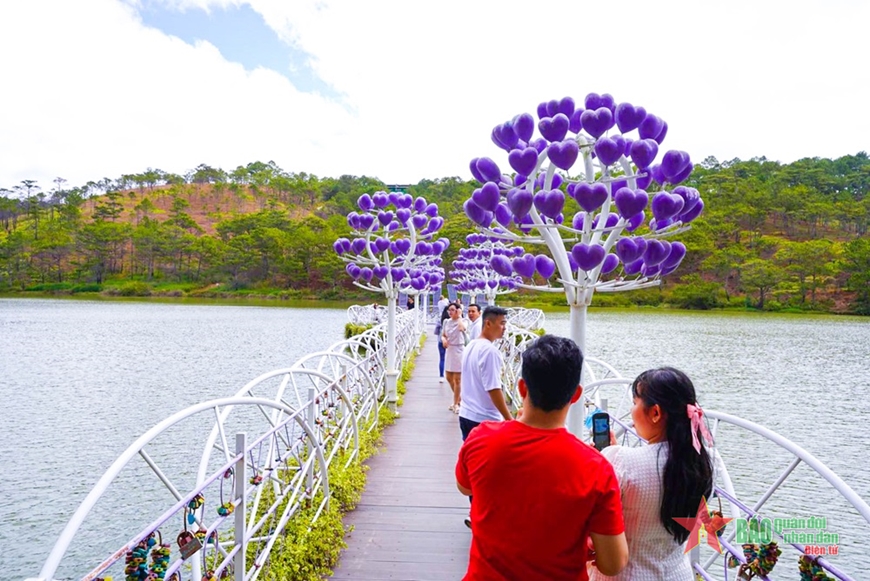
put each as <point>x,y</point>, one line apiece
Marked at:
<point>409,523</point>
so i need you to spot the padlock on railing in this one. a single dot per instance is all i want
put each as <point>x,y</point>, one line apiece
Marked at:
<point>188,544</point>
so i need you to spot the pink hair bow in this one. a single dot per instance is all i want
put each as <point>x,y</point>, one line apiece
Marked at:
<point>695,416</point>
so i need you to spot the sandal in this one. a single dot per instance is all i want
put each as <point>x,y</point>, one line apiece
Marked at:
<point>452,408</point>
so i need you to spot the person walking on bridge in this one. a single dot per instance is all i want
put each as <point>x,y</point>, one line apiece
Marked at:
<point>539,492</point>
<point>480,382</point>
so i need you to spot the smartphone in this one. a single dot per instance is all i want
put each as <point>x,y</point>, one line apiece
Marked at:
<point>600,430</point>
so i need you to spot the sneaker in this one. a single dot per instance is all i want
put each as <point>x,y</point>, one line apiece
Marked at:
<point>468,520</point>
<point>440,380</point>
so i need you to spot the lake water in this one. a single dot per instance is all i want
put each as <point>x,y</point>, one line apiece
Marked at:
<point>80,380</point>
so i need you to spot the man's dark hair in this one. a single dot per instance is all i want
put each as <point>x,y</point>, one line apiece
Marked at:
<point>551,369</point>
<point>475,305</point>
<point>492,312</point>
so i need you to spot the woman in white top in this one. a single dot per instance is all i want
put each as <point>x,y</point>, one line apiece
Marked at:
<point>453,340</point>
<point>666,479</point>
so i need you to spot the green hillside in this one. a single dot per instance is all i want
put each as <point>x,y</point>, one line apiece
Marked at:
<point>773,236</point>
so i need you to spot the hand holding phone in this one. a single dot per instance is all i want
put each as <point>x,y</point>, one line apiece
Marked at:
<point>600,430</point>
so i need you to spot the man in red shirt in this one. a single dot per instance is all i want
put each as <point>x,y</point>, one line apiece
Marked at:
<point>539,492</point>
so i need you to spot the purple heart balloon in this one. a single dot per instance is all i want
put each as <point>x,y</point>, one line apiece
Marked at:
<point>629,117</point>
<point>610,264</point>
<point>420,204</point>
<point>337,247</point>
<point>540,144</point>
<point>365,274</point>
<point>650,127</point>
<point>385,218</point>
<point>674,163</point>
<point>633,268</point>
<point>590,196</point>
<point>403,215</point>
<point>545,266</point>
<point>506,135</point>
<point>643,152</point>
<point>656,252</point>
<point>501,265</point>
<point>487,197</point>
<point>575,124</point>
<point>656,173</point>
<point>678,251</point>
<point>596,101</point>
<point>365,202</point>
<point>520,202</point>
<point>661,136</point>
<point>550,203</point>
<point>393,197</point>
<point>587,256</point>
<point>596,122</point>
<point>542,110</point>
<point>566,106</point>
<point>627,250</point>
<point>563,154</point>
<point>579,219</point>
<point>524,161</point>
<point>608,150</point>
<point>474,171</point>
<point>524,265</point>
<point>554,128</point>
<point>635,222</point>
<point>398,273</point>
<point>488,170</point>
<point>393,226</point>
<point>432,210</point>
<point>630,202</point>
<point>682,175</point>
<point>418,220</point>
<point>503,215</point>
<point>436,223</point>
<point>524,125</point>
<point>353,270</point>
<point>381,244</point>
<point>358,245</point>
<point>690,197</point>
<point>656,225</point>
<point>696,210</point>
<point>666,205</point>
<point>473,211</point>
<point>380,199</point>
<point>406,201</point>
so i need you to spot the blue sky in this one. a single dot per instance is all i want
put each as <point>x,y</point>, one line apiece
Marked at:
<point>242,36</point>
<point>404,91</point>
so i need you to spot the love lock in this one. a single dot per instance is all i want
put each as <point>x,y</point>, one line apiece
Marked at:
<point>188,544</point>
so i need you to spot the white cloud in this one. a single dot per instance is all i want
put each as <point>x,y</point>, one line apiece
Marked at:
<point>424,83</point>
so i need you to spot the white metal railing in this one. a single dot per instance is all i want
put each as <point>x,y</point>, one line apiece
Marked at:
<point>247,490</point>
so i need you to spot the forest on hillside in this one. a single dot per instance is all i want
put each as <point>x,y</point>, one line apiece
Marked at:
<point>772,236</point>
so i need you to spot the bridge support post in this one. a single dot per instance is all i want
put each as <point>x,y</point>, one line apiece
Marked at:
<point>239,534</point>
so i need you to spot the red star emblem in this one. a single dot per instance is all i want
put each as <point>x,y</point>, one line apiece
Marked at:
<point>703,522</point>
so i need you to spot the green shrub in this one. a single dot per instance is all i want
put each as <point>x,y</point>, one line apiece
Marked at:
<point>697,294</point>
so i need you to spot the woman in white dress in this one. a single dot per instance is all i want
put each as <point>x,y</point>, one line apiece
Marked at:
<point>667,478</point>
<point>453,340</point>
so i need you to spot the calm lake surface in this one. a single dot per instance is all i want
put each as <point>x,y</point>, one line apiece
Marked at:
<point>80,380</point>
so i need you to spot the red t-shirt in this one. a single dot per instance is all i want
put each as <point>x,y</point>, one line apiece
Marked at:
<point>537,496</point>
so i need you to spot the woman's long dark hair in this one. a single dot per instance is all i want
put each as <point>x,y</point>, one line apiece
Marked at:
<point>688,475</point>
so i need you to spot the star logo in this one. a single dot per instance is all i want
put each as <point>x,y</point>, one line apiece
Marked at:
<point>704,522</point>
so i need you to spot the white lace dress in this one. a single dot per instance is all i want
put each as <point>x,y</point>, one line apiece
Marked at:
<point>653,554</point>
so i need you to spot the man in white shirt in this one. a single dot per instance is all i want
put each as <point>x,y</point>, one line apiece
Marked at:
<point>476,322</point>
<point>442,302</point>
<point>480,382</point>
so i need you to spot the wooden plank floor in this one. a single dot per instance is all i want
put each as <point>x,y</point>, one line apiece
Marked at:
<point>409,522</point>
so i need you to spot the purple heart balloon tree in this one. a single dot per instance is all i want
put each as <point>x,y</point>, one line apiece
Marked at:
<point>484,267</point>
<point>394,250</point>
<point>631,205</point>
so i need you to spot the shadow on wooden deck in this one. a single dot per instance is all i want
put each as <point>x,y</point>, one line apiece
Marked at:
<point>409,522</point>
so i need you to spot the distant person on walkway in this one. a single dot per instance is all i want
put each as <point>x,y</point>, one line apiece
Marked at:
<point>453,339</point>
<point>410,302</point>
<point>476,322</point>
<point>539,492</point>
<point>666,479</point>
<point>442,303</point>
<point>377,313</point>
<point>480,382</point>
<point>442,350</point>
